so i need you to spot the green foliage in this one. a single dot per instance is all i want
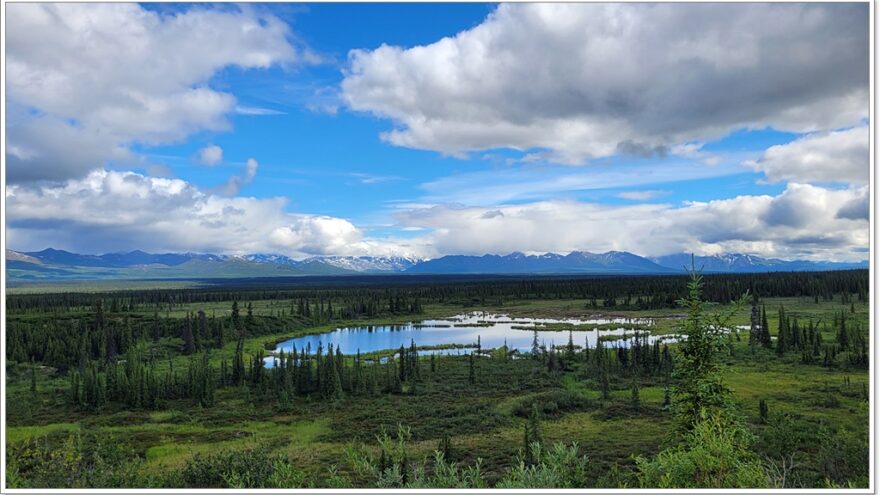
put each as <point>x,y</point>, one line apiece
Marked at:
<point>557,467</point>
<point>714,454</point>
<point>255,467</point>
<point>552,403</point>
<point>699,385</point>
<point>81,461</point>
<point>763,410</point>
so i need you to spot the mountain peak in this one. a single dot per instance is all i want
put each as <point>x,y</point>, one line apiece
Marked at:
<point>139,264</point>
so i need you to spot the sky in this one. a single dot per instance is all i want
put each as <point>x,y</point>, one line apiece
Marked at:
<point>424,130</point>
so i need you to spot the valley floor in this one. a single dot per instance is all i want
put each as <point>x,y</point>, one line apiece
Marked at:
<point>817,414</point>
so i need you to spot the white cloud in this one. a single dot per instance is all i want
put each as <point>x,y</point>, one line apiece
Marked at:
<point>369,179</point>
<point>532,182</point>
<point>242,110</point>
<point>236,182</point>
<point>115,211</point>
<point>93,79</point>
<point>802,222</point>
<point>840,156</point>
<point>641,195</point>
<point>211,155</point>
<point>569,82</point>
<point>111,211</point>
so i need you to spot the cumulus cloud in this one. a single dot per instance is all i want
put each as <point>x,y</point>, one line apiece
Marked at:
<point>570,82</point>
<point>111,211</point>
<point>117,211</point>
<point>801,222</point>
<point>856,209</point>
<point>211,155</point>
<point>92,79</point>
<point>839,156</point>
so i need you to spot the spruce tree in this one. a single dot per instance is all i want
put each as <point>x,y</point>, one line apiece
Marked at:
<point>236,319</point>
<point>202,330</point>
<point>189,345</point>
<point>782,333</point>
<point>766,341</point>
<point>33,376</point>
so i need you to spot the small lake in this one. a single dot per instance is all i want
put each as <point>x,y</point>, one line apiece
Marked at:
<point>493,331</point>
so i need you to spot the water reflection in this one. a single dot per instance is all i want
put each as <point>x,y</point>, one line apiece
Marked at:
<point>492,331</point>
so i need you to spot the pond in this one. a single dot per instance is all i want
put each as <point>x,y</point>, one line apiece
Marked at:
<point>463,331</point>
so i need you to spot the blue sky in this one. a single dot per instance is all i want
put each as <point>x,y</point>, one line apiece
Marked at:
<point>524,113</point>
<point>336,164</point>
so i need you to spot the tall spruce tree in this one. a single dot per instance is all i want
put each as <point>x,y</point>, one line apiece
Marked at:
<point>189,345</point>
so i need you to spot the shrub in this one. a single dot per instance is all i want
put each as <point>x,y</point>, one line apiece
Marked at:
<point>715,454</point>
<point>557,467</point>
<point>552,403</point>
<point>253,467</point>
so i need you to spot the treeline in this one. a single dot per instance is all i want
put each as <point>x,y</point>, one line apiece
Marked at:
<point>65,341</point>
<point>373,296</point>
<point>139,381</point>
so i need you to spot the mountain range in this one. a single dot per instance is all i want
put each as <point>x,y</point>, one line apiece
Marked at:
<point>56,264</point>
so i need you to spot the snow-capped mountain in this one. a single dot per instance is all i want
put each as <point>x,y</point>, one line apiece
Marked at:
<point>575,262</point>
<point>55,264</point>
<point>362,264</point>
<point>746,263</point>
<point>367,264</point>
<point>275,259</point>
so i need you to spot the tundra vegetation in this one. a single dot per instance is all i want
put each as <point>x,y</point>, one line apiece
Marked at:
<point>166,387</point>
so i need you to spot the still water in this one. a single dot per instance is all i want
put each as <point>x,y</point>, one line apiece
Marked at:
<point>492,330</point>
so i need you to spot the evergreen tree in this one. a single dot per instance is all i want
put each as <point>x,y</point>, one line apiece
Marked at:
<point>33,377</point>
<point>532,434</point>
<point>842,333</point>
<point>763,410</point>
<point>754,324</point>
<point>189,345</point>
<point>445,447</point>
<point>202,331</point>
<point>782,333</point>
<point>236,319</point>
<point>536,348</point>
<point>766,341</point>
<point>699,387</point>
<point>238,363</point>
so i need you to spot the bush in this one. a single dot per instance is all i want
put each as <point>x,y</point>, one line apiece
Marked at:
<point>557,467</point>
<point>715,454</point>
<point>246,468</point>
<point>81,461</point>
<point>552,403</point>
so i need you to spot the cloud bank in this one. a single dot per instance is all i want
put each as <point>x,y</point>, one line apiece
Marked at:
<point>117,211</point>
<point>571,82</point>
<point>110,210</point>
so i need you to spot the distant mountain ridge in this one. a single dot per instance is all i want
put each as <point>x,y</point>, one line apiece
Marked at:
<point>746,263</point>
<point>516,263</point>
<point>50,264</point>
